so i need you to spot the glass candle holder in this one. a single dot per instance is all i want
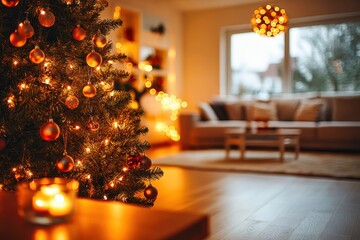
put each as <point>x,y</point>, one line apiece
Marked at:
<point>47,200</point>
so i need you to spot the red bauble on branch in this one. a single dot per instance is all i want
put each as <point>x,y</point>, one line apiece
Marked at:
<point>99,40</point>
<point>46,18</point>
<point>145,162</point>
<point>37,55</point>
<point>150,192</point>
<point>50,131</point>
<point>17,40</point>
<point>79,33</point>
<point>65,164</point>
<point>10,3</point>
<point>133,161</point>
<point>25,29</point>
<point>89,90</point>
<point>94,59</point>
<point>72,102</point>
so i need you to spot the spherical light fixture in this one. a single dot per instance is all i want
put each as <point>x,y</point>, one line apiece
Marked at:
<point>269,20</point>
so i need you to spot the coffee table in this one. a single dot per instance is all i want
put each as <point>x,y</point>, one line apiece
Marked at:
<point>278,137</point>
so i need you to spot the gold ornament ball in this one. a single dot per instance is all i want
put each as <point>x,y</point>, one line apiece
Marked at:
<point>65,164</point>
<point>2,143</point>
<point>93,125</point>
<point>37,55</point>
<point>10,3</point>
<point>25,29</point>
<point>99,40</point>
<point>49,131</point>
<point>94,59</point>
<point>150,192</point>
<point>89,91</point>
<point>46,18</point>
<point>108,87</point>
<point>17,40</point>
<point>79,33</point>
<point>72,102</point>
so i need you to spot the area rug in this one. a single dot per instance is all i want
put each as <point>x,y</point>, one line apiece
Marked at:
<point>322,164</point>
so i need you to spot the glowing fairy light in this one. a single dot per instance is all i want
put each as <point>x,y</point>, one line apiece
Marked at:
<point>112,184</point>
<point>106,141</point>
<point>115,124</point>
<point>88,176</point>
<point>105,197</point>
<point>125,169</point>
<point>87,150</point>
<point>15,63</point>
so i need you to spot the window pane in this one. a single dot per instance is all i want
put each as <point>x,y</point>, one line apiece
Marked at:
<point>256,64</point>
<point>325,57</point>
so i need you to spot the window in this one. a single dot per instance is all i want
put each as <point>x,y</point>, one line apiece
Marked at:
<point>322,57</point>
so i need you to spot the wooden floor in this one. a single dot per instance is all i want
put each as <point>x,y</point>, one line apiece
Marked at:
<point>261,206</point>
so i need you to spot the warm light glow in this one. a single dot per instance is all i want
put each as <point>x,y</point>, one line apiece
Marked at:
<point>153,91</point>
<point>117,12</point>
<point>118,45</point>
<point>270,22</point>
<point>98,68</point>
<point>148,84</point>
<point>88,177</point>
<point>111,62</point>
<point>105,197</point>
<point>121,178</point>
<point>15,63</point>
<point>87,150</point>
<point>125,169</point>
<point>112,184</point>
<point>115,124</point>
<point>77,127</point>
<point>106,141</point>
<point>42,12</point>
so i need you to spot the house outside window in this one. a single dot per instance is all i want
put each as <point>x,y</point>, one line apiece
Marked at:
<point>308,58</point>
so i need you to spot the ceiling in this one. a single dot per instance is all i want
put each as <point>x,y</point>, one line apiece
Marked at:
<point>190,5</point>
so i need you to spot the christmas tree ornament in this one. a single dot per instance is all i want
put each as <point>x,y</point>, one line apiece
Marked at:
<point>25,29</point>
<point>72,102</point>
<point>150,192</point>
<point>65,164</point>
<point>133,162</point>
<point>99,40</point>
<point>93,125</point>
<point>107,87</point>
<point>50,131</point>
<point>2,143</point>
<point>79,33</point>
<point>145,162</point>
<point>94,59</point>
<point>46,18</point>
<point>17,40</point>
<point>37,55</point>
<point>10,3</point>
<point>89,90</point>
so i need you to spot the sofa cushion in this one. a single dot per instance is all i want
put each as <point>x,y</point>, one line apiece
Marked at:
<point>264,111</point>
<point>220,110</point>
<point>344,109</point>
<point>206,112</point>
<point>308,110</point>
<point>308,129</point>
<point>286,108</point>
<point>235,111</point>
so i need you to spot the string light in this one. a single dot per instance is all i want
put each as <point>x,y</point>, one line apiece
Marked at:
<point>88,177</point>
<point>115,124</point>
<point>106,141</point>
<point>15,63</point>
<point>87,150</point>
<point>269,20</point>
<point>125,169</point>
<point>105,197</point>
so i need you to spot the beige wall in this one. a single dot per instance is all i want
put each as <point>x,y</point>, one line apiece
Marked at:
<point>201,65</point>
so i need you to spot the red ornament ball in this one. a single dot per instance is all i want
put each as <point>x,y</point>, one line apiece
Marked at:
<point>50,131</point>
<point>25,29</point>
<point>89,90</point>
<point>10,3</point>
<point>99,40</point>
<point>17,40</point>
<point>93,125</point>
<point>72,102</point>
<point>2,143</point>
<point>133,162</point>
<point>94,59</point>
<point>79,33</point>
<point>37,55</point>
<point>65,164</point>
<point>145,162</point>
<point>150,192</point>
<point>46,18</point>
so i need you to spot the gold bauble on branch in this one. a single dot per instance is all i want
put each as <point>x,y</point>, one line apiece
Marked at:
<point>94,59</point>
<point>72,102</point>
<point>37,55</point>
<point>269,20</point>
<point>10,3</point>
<point>46,18</point>
<point>79,33</point>
<point>99,40</point>
<point>49,131</point>
<point>17,40</point>
<point>93,125</point>
<point>89,90</point>
<point>25,29</point>
<point>65,164</point>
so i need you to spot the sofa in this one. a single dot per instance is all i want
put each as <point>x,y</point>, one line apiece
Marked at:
<point>328,121</point>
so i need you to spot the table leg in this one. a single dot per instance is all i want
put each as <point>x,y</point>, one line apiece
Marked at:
<point>281,147</point>
<point>242,147</point>
<point>227,149</point>
<point>297,147</point>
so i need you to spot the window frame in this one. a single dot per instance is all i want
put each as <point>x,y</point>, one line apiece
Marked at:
<point>225,46</point>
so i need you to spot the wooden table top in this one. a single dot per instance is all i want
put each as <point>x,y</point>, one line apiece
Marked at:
<point>102,221</point>
<point>264,132</point>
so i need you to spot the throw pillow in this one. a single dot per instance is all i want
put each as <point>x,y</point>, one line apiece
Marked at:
<point>206,112</point>
<point>308,110</point>
<point>264,112</point>
<point>220,111</point>
<point>234,111</point>
<point>286,108</point>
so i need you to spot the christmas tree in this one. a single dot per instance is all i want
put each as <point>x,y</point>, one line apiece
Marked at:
<point>60,115</point>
